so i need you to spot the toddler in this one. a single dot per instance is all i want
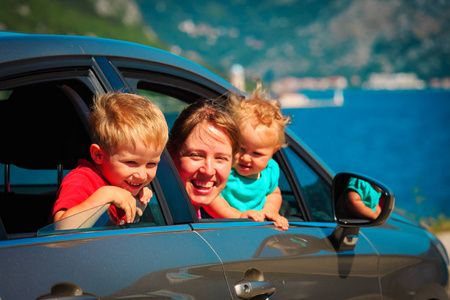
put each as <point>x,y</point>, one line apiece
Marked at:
<point>362,200</point>
<point>252,190</point>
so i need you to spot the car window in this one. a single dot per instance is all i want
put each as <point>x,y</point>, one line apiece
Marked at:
<point>26,181</point>
<point>44,137</point>
<point>158,212</point>
<point>97,219</point>
<point>315,192</point>
<point>289,206</point>
<point>314,197</point>
<point>47,133</point>
<point>170,106</point>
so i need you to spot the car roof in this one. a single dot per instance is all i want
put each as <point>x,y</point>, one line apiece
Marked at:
<point>18,46</point>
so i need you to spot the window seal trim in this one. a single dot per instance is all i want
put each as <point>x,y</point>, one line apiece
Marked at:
<point>293,182</point>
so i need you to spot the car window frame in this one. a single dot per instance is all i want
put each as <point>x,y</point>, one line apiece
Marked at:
<point>86,69</point>
<point>109,73</point>
<point>308,157</point>
<point>161,77</point>
<point>282,161</point>
<point>190,87</point>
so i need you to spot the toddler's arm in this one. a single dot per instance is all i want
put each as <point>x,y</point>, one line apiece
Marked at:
<point>358,208</point>
<point>272,207</point>
<point>219,208</point>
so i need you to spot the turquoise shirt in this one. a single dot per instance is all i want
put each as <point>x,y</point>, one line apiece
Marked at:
<point>368,194</point>
<point>244,193</point>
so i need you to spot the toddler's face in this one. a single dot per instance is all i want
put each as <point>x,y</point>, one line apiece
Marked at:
<point>256,150</point>
<point>130,167</point>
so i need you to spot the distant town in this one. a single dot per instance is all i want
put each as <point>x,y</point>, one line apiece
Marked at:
<point>288,90</point>
<point>376,81</point>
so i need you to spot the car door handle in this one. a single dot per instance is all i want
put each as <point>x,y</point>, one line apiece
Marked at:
<point>249,289</point>
<point>67,290</point>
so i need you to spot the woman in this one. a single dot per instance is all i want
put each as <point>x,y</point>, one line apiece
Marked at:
<point>202,143</point>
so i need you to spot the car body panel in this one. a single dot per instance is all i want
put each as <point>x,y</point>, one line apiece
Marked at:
<point>301,261</point>
<point>132,260</point>
<point>410,262</point>
<point>17,47</point>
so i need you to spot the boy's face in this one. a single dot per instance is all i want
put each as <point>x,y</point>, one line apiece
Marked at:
<point>130,167</point>
<point>256,150</point>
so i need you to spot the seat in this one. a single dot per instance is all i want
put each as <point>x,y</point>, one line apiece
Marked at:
<point>41,130</point>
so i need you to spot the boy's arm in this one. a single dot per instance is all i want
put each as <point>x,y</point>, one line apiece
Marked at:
<point>107,194</point>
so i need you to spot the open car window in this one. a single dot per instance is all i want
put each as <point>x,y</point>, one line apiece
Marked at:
<point>44,135</point>
<point>170,106</point>
<point>315,193</point>
<point>98,218</point>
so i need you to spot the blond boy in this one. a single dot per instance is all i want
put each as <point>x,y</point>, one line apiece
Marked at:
<point>128,136</point>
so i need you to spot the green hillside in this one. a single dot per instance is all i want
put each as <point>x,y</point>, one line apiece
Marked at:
<point>102,18</point>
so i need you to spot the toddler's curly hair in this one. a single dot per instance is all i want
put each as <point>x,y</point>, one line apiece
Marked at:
<point>261,112</point>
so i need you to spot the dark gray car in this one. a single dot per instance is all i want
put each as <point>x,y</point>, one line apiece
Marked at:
<point>46,87</point>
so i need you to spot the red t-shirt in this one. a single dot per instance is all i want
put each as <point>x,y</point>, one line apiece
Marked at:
<point>79,185</point>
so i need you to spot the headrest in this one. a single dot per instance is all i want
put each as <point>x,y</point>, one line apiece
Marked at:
<point>41,129</point>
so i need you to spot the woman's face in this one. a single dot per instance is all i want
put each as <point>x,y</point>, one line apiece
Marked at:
<point>204,163</point>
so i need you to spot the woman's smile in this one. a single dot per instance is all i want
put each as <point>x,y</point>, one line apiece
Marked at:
<point>204,163</point>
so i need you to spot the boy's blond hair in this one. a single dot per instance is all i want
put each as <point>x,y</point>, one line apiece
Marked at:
<point>120,118</point>
<point>260,109</point>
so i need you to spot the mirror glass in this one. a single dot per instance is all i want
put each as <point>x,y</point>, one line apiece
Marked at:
<point>360,200</point>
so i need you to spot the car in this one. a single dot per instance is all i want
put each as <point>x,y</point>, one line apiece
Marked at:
<point>47,83</point>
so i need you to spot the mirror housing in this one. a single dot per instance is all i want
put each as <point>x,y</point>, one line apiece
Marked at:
<point>359,201</point>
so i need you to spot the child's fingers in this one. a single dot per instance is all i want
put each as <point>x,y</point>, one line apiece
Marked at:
<point>125,201</point>
<point>256,216</point>
<point>145,195</point>
<point>130,211</point>
<point>139,211</point>
<point>282,223</point>
<point>132,206</point>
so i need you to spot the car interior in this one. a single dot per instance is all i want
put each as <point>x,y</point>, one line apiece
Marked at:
<point>51,140</point>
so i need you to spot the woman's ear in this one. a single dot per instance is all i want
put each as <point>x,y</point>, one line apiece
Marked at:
<point>96,154</point>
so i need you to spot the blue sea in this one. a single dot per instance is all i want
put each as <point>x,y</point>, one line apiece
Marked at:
<point>400,138</point>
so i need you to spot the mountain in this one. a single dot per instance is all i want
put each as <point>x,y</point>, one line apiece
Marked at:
<point>116,19</point>
<point>308,38</point>
<point>270,38</point>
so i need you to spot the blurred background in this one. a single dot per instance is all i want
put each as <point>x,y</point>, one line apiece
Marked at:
<point>367,82</point>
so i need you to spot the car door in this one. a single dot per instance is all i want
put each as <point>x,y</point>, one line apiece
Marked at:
<point>301,262</point>
<point>44,124</point>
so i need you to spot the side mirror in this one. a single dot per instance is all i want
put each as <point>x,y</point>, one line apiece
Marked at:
<point>359,201</point>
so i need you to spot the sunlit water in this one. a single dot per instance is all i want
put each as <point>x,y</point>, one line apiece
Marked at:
<point>400,138</point>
